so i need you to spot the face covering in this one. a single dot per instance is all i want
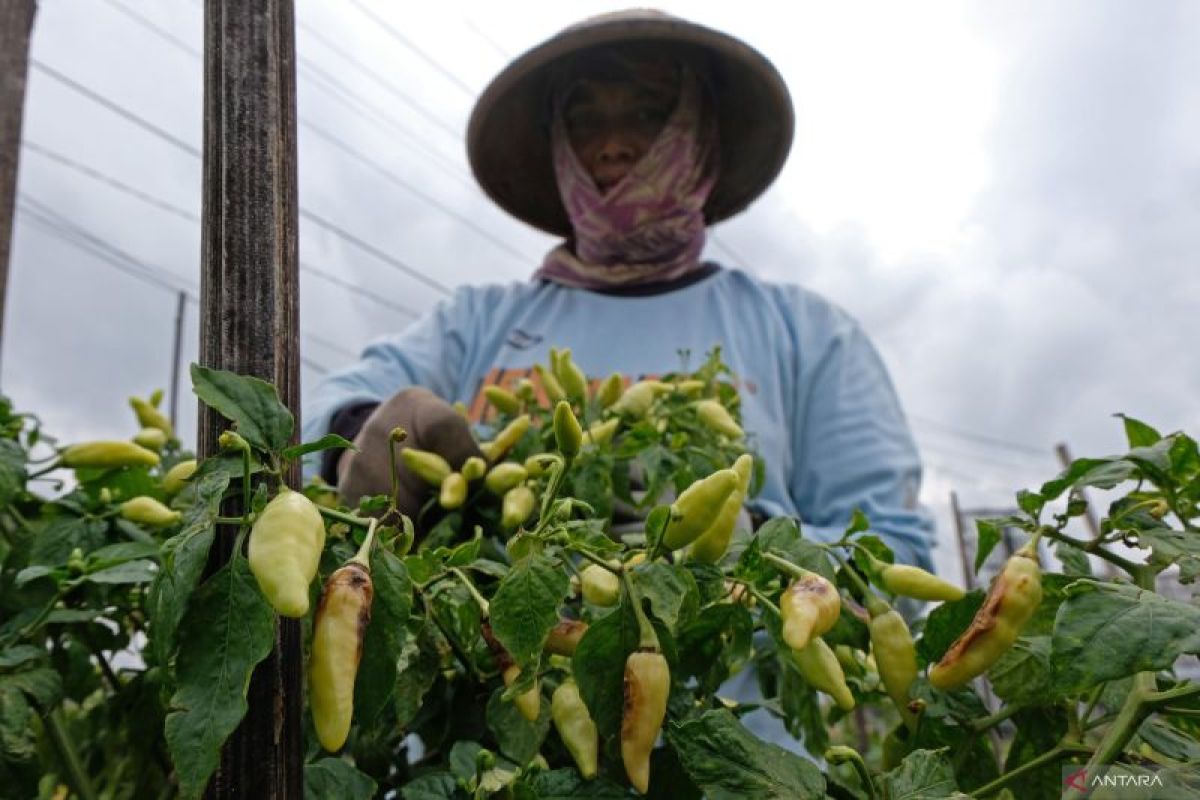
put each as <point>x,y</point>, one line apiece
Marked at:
<point>649,227</point>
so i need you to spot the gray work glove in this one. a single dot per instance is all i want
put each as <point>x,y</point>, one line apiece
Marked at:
<point>432,424</point>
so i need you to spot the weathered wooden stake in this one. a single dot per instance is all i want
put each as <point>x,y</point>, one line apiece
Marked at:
<point>16,22</point>
<point>249,322</point>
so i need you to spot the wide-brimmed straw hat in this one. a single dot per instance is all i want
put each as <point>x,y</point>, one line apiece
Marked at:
<point>508,141</point>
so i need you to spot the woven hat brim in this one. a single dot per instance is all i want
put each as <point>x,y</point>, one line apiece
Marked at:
<point>508,144</point>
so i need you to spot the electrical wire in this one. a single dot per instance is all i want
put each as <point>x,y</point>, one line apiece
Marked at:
<point>413,48</point>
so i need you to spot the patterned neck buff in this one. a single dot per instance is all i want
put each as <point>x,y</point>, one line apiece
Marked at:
<point>649,227</point>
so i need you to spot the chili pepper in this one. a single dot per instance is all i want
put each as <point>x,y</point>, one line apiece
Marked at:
<point>453,491</point>
<point>1013,597</point>
<point>554,390</point>
<point>638,398</point>
<point>429,467</point>
<point>474,468</point>
<point>525,390</point>
<point>515,508</point>
<point>809,608</point>
<point>339,629</point>
<point>712,544</point>
<point>716,417</point>
<point>568,436</point>
<point>148,511</point>
<point>910,581</point>
<point>232,440</point>
<point>610,390</point>
<point>504,400</point>
<point>503,477</point>
<point>150,417</point>
<point>697,507</point>
<point>178,476</point>
<point>529,702</point>
<point>151,439</point>
<point>819,665</point>
<point>564,637</point>
<point>895,654</point>
<point>105,454</point>
<point>534,467</point>
<point>600,586</point>
<point>285,549</point>
<point>601,433</point>
<point>571,377</point>
<point>506,439</point>
<point>691,387</point>
<point>647,686</point>
<point>575,727</point>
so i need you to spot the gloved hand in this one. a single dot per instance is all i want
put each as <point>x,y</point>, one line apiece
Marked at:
<point>432,424</point>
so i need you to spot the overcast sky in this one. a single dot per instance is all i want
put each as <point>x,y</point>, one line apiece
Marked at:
<point>1006,195</point>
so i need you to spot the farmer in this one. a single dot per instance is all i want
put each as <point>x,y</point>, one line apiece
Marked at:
<point>628,135</point>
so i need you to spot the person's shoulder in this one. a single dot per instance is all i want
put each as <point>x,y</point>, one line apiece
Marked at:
<point>791,300</point>
<point>483,296</point>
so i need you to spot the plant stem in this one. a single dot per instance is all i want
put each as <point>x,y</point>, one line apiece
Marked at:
<point>61,737</point>
<point>787,567</point>
<point>349,519</point>
<point>648,639</point>
<point>363,556</point>
<point>1129,719</point>
<point>480,600</point>
<point>986,723</point>
<point>595,559</point>
<point>1060,751</point>
<point>44,471</point>
<point>848,755</point>
<point>1095,549</point>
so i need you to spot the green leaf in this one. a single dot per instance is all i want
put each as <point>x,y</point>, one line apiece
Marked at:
<point>1039,729</point>
<point>1022,676</point>
<point>989,536</point>
<point>922,775</point>
<point>122,552</point>
<point>517,737</point>
<point>1169,546</point>
<point>462,759</point>
<point>329,441</point>
<point>1139,433</point>
<point>671,590</point>
<point>858,523</point>
<point>40,684</point>
<point>416,670</point>
<point>715,645</point>
<point>140,571</point>
<point>334,779</point>
<point>183,559</point>
<point>432,786</point>
<point>228,630</point>
<point>252,404</point>
<point>53,544</point>
<point>384,641</point>
<point>17,655</point>
<point>599,666</point>
<point>945,624</point>
<point>12,470</point>
<point>1103,473</point>
<point>1074,561</point>
<point>18,741</point>
<point>1030,502</point>
<point>567,784</point>
<point>525,606</point>
<point>781,536</point>
<point>1105,631</point>
<point>31,574</point>
<point>729,763</point>
<point>1170,741</point>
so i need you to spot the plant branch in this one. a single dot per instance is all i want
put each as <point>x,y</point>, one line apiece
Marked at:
<point>986,723</point>
<point>342,516</point>
<point>1095,548</point>
<point>61,737</point>
<point>1128,720</point>
<point>1057,753</point>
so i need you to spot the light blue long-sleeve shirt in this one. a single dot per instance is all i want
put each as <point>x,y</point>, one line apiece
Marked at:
<point>816,396</point>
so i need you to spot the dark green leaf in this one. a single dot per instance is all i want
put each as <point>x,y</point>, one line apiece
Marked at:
<point>710,581</point>
<point>922,775</point>
<point>1170,741</point>
<point>945,624</point>
<point>525,606</point>
<point>31,574</point>
<point>123,551</point>
<point>251,403</point>
<point>40,684</point>
<point>433,786</point>
<point>462,759</point>
<point>1170,546</point>
<point>715,645</point>
<point>1022,675</point>
<point>183,559</point>
<point>416,671</point>
<point>1103,473</point>
<point>1074,561</point>
<point>858,523</point>
<point>18,740</point>
<point>567,784</point>
<point>228,630</point>
<point>1030,502</point>
<point>334,779</point>
<point>1039,729</point>
<point>599,666</point>
<point>140,571</point>
<point>12,470</point>
<point>15,656</point>
<point>1139,433</point>
<point>384,640</point>
<point>1106,631</point>
<point>672,592</point>
<point>329,441</point>
<point>517,737</point>
<point>53,544</point>
<point>730,763</point>
<point>989,536</point>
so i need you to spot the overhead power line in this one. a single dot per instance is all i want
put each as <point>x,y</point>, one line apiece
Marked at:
<point>994,441</point>
<point>158,31</point>
<point>413,48</point>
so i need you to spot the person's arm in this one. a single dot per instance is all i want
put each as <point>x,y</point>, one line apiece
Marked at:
<point>854,450</point>
<point>428,353</point>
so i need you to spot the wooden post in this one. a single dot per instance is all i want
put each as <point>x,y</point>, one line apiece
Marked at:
<point>249,321</point>
<point>176,354</point>
<point>16,23</point>
<point>967,567</point>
